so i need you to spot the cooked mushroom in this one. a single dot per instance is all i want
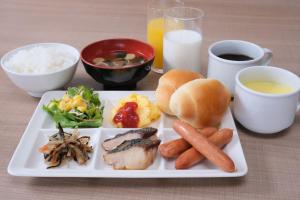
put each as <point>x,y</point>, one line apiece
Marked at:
<point>98,60</point>
<point>130,56</point>
<point>119,63</point>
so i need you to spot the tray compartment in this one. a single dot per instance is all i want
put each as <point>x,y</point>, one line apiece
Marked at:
<point>111,104</point>
<point>168,121</point>
<point>47,122</point>
<point>109,133</point>
<point>35,159</point>
<point>170,163</point>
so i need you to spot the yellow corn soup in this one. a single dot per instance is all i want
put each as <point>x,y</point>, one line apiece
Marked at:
<point>269,87</point>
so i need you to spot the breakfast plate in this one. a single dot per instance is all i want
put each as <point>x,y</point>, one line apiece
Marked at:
<point>27,161</point>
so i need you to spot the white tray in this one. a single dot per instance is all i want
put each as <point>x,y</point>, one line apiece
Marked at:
<point>27,161</point>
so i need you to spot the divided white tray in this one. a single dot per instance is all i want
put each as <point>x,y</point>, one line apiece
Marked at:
<point>27,161</point>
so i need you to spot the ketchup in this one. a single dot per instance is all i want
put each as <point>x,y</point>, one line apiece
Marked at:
<point>127,115</point>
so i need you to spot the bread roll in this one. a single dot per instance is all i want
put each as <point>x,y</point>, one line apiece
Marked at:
<point>201,102</point>
<point>167,85</point>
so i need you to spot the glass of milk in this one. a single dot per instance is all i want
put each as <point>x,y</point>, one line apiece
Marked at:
<point>182,38</point>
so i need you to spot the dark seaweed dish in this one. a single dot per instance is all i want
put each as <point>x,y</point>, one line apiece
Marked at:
<point>66,146</point>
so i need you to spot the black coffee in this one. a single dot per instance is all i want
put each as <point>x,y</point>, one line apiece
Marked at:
<point>236,57</point>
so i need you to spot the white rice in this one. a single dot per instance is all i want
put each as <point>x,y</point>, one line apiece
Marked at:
<point>40,60</point>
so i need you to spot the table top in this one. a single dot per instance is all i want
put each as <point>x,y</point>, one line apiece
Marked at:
<point>273,161</point>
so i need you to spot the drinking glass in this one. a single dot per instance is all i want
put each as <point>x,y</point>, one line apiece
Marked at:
<point>182,38</point>
<point>155,28</point>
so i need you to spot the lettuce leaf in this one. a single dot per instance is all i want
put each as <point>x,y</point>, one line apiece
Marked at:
<point>92,118</point>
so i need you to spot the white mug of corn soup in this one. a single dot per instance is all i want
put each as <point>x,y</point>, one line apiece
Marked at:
<point>266,98</point>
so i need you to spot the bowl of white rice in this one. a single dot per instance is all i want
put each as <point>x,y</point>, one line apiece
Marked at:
<point>38,68</point>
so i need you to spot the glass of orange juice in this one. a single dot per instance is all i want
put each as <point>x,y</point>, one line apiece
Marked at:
<point>155,28</point>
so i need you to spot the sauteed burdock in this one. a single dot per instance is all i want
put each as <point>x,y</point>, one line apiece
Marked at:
<point>66,146</point>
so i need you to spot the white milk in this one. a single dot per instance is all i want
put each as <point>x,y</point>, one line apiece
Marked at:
<point>182,50</point>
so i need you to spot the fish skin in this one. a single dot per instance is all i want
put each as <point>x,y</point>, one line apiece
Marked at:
<point>146,132</point>
<point>112,143</point>
<point>145,143</point>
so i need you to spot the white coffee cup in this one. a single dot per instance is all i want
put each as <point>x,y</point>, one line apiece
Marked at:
<point>225,70</point>
<point>264,112</point>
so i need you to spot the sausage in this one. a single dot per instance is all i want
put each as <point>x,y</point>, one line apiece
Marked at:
<point>191,156</point>
<point>174,148</point>
<point>208,131</point>
<point>203,145</point>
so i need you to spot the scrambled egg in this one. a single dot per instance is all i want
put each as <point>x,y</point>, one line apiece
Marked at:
<point>147,111</point>
<point>68,103</point>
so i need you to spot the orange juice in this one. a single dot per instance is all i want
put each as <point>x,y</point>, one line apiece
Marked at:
<point>155,34</point>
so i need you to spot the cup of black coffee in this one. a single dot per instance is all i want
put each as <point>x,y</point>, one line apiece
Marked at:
<point>236,57</point>
<point>227,57</point>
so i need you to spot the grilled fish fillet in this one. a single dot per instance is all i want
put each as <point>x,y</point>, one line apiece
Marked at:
<point>110,144</point>
<point>136,154</point>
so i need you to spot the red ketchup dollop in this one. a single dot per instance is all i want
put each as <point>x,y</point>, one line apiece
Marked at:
<point>127,115</point>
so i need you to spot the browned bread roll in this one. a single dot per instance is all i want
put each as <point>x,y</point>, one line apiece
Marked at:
<point>201,102</point>
<point>167,85</point>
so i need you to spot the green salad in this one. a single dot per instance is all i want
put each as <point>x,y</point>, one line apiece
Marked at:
<point>80,107</point>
